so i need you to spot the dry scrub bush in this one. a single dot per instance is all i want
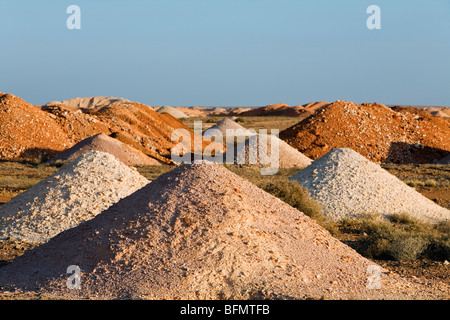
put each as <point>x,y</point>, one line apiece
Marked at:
<point>294,195</point>
<point>400,238</point>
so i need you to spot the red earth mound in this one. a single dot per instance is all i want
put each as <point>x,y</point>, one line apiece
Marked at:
<point>373,130</point>
<point>273,110</point>
<point>285,110</point>
<point>146,127</point>
<point>28,132</point>
<point>76,124</point>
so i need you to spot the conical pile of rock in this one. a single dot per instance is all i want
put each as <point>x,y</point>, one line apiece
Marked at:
<point>250,152</point>
<point>348,185</point>
<point>75,193</point>
<point>102,142</point>
<point>227,127</point>
<point>173,112</point>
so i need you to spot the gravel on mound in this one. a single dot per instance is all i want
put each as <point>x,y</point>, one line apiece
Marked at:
<point>28,132</point>
<point>102,142</point>
<point>249,153</point>
<point>228,124</point>
<point>379,133</point>
<point>90,102</point>
<point>202,232</point>
<point>347,185</point>
<point>173,112</point>
<point>75,193</point>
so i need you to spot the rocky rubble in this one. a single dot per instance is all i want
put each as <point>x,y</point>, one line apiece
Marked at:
<point>75,193</point>
<point>373,130</point>
<point>347,185</point>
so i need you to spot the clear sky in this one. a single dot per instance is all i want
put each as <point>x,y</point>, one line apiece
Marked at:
<point>227,52</point>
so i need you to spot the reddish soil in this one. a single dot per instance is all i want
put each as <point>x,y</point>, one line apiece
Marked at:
<point>31,132</point>
<point>28,132</point>
<point>76,124</point>
<point>285,110</point>
<point>139,125</point>
<point>373,130</point>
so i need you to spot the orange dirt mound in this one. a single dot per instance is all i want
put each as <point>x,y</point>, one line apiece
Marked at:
<point>133,123</point>
<point>285,110</point>
<point>273,110</point>
<point>76,124</point>
<point>28,132</point>
<point>373,130</point>
<point>312,107</point>
<point>146,127</point>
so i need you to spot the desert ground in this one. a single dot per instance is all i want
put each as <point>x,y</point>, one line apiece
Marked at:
<point>104,178</point>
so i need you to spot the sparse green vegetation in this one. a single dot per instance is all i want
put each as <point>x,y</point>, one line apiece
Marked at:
<point>427,183</point>
<point>400,238</point>
<point>153,172</point>
<point>421,175</point>
<point>16,176</point>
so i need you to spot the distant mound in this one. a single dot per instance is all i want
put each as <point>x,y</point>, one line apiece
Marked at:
<point>441,114</point>
<point>28,132</point>
<point>101,142</point>
<point>273,110</point>
<point>77,124</point>
<point>373,130</point>
<point>89,102</point>
<point>193,111</point>
<point>312,107</point>
<point>202,232</point>
<point>439,111</point>
<point>230,125</point>
<point>144,127</point>
<point>250,153</point>
<point>347,185</point>
<point>285,110</point>
<point>173,112</point>
<point>218,111</point>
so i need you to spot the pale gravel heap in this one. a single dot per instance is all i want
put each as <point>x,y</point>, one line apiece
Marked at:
<point>173,112</point>
<point>75,193</point>
<point>202,232</point>
<point>250,153</point>
<point>348,185</point>
<point>102,142</point>
<point>228,124</point>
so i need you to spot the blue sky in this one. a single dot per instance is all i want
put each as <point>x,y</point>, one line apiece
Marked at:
<point>227,52</point>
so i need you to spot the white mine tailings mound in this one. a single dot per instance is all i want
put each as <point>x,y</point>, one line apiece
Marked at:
<point>89,102</point>
<point>227,124</point>
<point>77,192</point>
<point>173,112</point>
<point>102,142</point>
<point>347,185</point>
<point>202,232</point>
<point>250,152</point>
